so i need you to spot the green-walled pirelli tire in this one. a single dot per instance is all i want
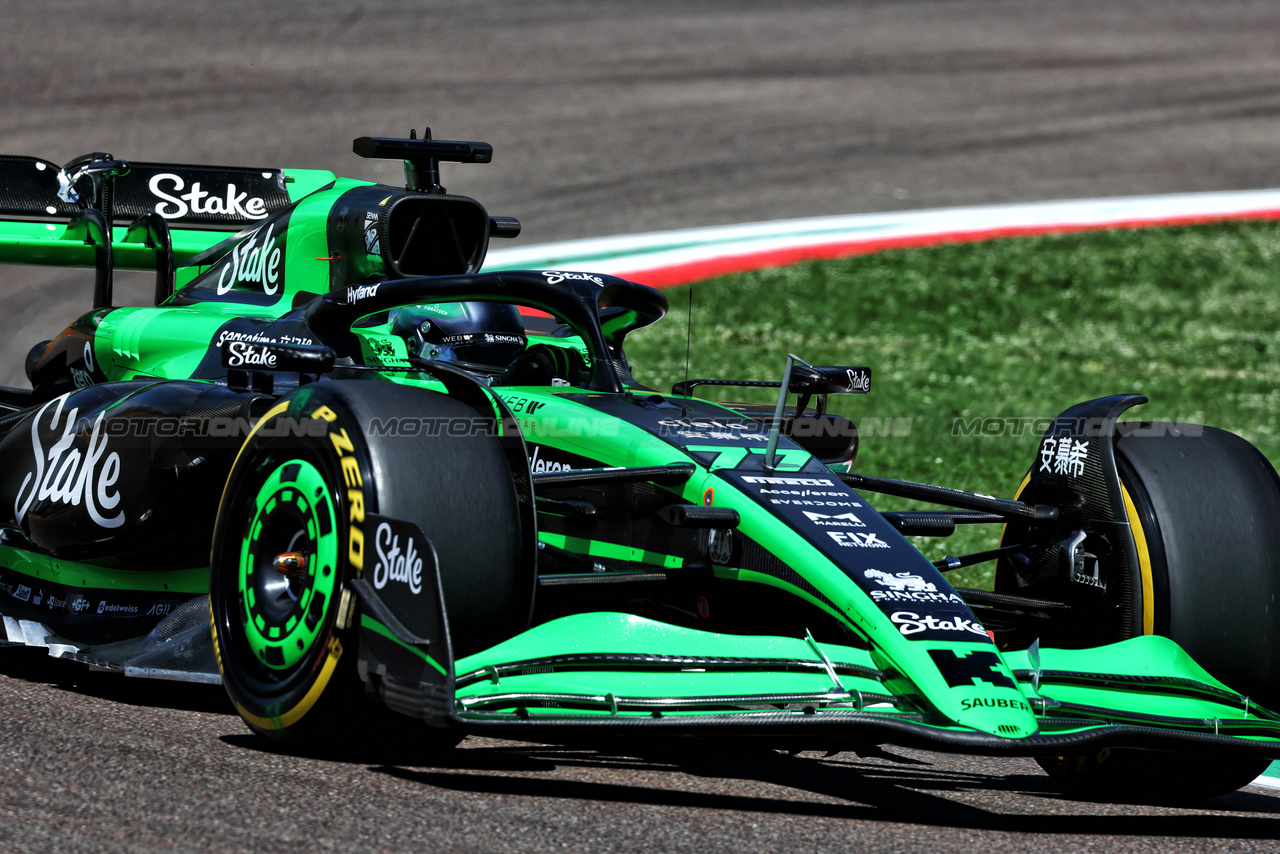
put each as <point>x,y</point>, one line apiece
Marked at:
<point>315,465</point>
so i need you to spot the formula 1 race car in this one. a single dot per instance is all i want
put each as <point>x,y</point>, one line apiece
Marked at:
<point>342,471</point>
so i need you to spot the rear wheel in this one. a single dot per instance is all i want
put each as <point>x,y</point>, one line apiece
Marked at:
<point>287,643</point>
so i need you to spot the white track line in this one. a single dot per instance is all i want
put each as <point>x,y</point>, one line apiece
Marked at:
<point>1266,782</point>
<point>676,256</point>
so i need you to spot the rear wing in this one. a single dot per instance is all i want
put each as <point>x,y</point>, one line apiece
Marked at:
<point>104,213</point>
<point>224,197</point>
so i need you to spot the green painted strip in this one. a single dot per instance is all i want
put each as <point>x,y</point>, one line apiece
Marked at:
<point>374,626</point>
<point>600,548</point>
<point>71,574</point>
<point>1273,771</point>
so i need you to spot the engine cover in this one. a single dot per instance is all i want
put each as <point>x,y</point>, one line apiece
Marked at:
<point>129,469</point>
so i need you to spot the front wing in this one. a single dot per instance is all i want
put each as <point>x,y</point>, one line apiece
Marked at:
<point>586,674</point>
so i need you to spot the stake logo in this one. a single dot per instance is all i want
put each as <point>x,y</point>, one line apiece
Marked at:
<point>68,475</point>
<point>394,565</point>
<point>241,354</point>
<point>555,277</point>
<point>859,380</point>
<point>197,201</point>
<point>255,260</point>
<point>910,623</point>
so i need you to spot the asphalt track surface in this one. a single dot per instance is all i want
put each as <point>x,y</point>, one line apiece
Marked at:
<point>607,117</point>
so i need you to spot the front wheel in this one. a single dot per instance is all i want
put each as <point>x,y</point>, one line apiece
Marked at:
<point>290,536</point>
<point>1203,506</point>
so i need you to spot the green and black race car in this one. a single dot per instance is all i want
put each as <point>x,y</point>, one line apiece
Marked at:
<point>343,471</point>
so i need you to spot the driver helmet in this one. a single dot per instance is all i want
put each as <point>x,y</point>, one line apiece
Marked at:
<point>484,336</point>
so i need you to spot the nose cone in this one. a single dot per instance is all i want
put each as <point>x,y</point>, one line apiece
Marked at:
<point>982,693</point>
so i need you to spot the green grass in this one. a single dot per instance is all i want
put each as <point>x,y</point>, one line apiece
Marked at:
<point>1017,328</point>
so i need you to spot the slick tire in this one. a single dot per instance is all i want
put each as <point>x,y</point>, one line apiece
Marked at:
<point>1128,775</point>
<point>315,465</point>
<point>1206,506</point>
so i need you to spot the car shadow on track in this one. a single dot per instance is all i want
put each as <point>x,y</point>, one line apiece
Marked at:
<point>882,786</point>
<point>35,665</point>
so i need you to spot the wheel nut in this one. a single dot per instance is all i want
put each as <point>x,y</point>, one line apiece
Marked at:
<point>291,564</point>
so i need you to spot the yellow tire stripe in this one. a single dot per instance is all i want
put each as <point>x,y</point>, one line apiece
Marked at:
<point>1016,495</point>
<point>1144,564</point>
<point>292,716</point>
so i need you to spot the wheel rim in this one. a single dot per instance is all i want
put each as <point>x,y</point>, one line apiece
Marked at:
<point>282,618</point>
